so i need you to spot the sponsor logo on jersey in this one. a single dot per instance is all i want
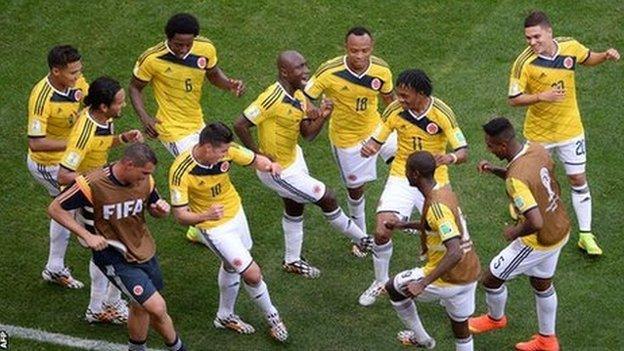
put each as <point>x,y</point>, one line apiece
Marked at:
<point>376,84</point>
<point>36,126</point>
<point>432,128</point>
<point>568,62</point>
<point>225,166</point>
<point>519,202</point>
<point>201,62</point>
<point>252,111</point>
<point>122,209</point>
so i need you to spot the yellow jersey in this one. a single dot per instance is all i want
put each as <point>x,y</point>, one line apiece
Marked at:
<point>434,130</point>
<point>278,117</point>
<point>177,84</point>
<point>88,144</point>
<point>444,220</point>
<point>52,113</point>
<point>199,187</point>
<point>355,97</point>
<point>550,122</point>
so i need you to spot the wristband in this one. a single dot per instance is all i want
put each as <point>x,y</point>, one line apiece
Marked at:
<point>454,157</point>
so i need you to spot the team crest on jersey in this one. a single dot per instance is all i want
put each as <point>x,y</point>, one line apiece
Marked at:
<point>376,84</point>
<point>432,128</point>
<point>225,166</point>
<point>78,95</point>
<point>568,62</point>
<point>137,290</point>
<point>201,62</point>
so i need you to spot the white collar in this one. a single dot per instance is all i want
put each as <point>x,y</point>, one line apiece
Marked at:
<point>93,119</point>
<point>358,76</point>
<point>66,93</point>
<point>284,90</point>
<point>551,58</point>
<point>523,151</point>
<point>427,110</point>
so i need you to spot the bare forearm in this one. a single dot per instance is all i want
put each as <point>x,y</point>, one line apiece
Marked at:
<point>136,97</point>
<point>524,100</point>
<point>311,128</point>
<point>66,219</point>
<point>218,78</point>
<point>500,172</point>
<point>46,144</point>
<point>241,128</point>
<point>66,176</point>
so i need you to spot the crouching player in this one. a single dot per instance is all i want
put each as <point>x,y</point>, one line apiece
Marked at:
<point>452,268</point>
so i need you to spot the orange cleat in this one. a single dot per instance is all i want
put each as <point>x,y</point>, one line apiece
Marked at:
<point>539,343</point>
<point>485,323</point>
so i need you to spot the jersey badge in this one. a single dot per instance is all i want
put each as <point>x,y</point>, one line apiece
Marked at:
<point>225,166</point>
<point>201,62</point>
<point>568,62</point>
<point>432,128</point>
<point>137,290</point>
<point>376,84</point>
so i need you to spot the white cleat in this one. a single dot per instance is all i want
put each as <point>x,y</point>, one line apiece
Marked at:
<point>369,296</point>
<point>235,323</point>
<point>279,332</point>
<point>302,268</point>
<point>62,278</point>
<point>119,311</point>
<point>363,247</point>
<point>406,337</point>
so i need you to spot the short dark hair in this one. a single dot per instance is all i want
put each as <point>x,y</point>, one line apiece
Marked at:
<point>500,128</point>
<point>415,79</point>
<point>358,31</point>
<point>62,55</point>
<point>216,134</point>
<point>537,18</point>
<point>102,91</point>
<point>423,162</point>
<point>182,23</point>
<point>140,154</point>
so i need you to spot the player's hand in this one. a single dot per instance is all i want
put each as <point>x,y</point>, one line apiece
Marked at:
<point>149,126</point>
<point>133,136</point>
<point>214,213</point>
<point>370,148</point>
<point>445,159</point>
<point>416,288</point>
<point>160,208</point>
<point>510,233</point>
<point>484,166</point>
<point>96,242</point>
<point>237,87</point>
<point>612,54</point>
<point>275,169</point>
<point>552,95</point>
<point>326,108</point>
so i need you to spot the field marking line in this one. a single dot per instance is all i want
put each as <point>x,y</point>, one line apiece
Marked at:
<point>61,339</point>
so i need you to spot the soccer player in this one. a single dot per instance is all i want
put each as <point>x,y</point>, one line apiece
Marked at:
<point>88,145</point>
<point>122,244</point>
<point>52,110</point>
<point>203,195</point>
<point>543,78</point>
<point>280,114</point>
<point>354,82</point>
<point>177,69</point>
<point>452,268</point>
<point>536,239</point>
<point>422,122</point>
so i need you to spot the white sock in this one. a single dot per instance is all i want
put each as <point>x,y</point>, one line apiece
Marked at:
<point>357,211</point>
<point>339,220</point>
<point>177,345</point>
<point>136,346</point>
<point>99,283</point>
<point>59,239</point>
<point>496,299</point>
<point>113,295</point>
<point>381,261</point>
<point>260,295</point>
<point>229,283</point>
<point>293,237</point>
<point>582,203</point>
<point>546,303</point>
<point>464,344</point>
<point>406,310</point>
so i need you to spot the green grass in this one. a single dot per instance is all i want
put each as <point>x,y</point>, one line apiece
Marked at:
<point>466,48</point>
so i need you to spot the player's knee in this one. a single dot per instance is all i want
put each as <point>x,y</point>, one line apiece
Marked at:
<point>356,193</point>
<point>328,201</point>
<point>577,180</point>
<point>252,275</point>
<point>541,284</point>
<point>158,310</point>
<point>393,293</point>
<point>490,281</point>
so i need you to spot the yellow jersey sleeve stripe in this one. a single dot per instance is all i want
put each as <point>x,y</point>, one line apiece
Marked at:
<point>85,134</point>
<point>181,170</point>
<point>270,100</point>
<point>437,211</point>
<point>329,65</point>
<point>524,56</point>
<point>151,51</point>
<point>446,112</point>
<point>379,62</point>
<point>203,40</point>
<point>393,107</point>
<point>563,39</point>
<point>41,99</point>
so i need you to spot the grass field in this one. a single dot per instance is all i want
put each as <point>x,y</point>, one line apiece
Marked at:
<point>467,48</point>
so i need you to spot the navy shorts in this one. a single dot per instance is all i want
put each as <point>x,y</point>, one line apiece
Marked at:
<point>138,281</point>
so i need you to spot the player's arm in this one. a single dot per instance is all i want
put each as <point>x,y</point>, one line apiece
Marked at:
<point>131,136</point>
<point>242,127</point>
<point>66,175</point>
<point>158,207</point>
<point>37,124</point>
<point>136,97</point>
<point>75,196</point>
<point>525,203</point>
<point>264,164</point>
<point>533,222</point>
<point>551,95</point>
<point>486,167</point>
<point>596,58</point>
<point>379,137</point>
<point>218,78</point>
<point>185,216</point>
<point>456,157</point>
<point>310,127</point>
<point>45,144</point>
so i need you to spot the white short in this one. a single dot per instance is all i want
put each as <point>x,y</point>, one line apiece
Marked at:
<point>179,146</point>
<point>401,198</point>
<point>356,170</point>
<point>45,175</point>
<point>572,153</point>
<point>231,242</point>
<point>517,258</point>
<point>295,182</point>
<point>458,300</point>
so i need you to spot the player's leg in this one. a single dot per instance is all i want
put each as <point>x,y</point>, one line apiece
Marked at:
<point>96,311</point>
<point>573,155</point>
<point>459,302</point>
<point>161,322</point>
<point>357,206</point>
<point>229,285</point>
<point>138,327</point>
<point>405,308</point>
<point>292,225</point>
<point>546,305</point>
